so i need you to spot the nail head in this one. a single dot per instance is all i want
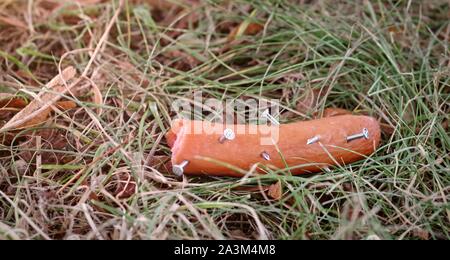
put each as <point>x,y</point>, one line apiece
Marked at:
<point>229,134</point>
<point>266,156</point>
<point>178,169</point>
<point>366,133</point>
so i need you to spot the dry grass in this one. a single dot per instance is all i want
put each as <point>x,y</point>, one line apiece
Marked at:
<point>100,171</point>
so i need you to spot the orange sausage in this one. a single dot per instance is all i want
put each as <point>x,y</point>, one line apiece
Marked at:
<point>206,155</point>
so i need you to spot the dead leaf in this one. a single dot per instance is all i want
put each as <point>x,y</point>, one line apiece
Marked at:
<point>276,191</point>
<point>42,117</point>
<point>38,110</point>
<point>245,29</point>
<point>395,29</point>
<point>8,107</point>
<point>7,137</point>
<point>66,105</point>
<point>12,21</point>
<point>397,35</point>
<point>12,102</point>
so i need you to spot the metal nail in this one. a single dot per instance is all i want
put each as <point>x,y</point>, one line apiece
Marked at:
<point>266,156</point>
<point>228,134</point>
<point>269,117</point>
<point>178,169</point>
<point>313,139</point>
<point>364,134</point>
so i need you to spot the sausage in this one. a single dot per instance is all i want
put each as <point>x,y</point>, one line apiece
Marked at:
<point>203,152</point>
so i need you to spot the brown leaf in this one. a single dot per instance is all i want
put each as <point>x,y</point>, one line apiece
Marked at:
<point>38,110</point>
<point>65,105</point>
<point>275,191</point>
<point>19,103</point>
<point>42,117</point>
<point>13,21</point>
<point>12,102</point>
<point>396,34</point>
<point>245,29</point>
<point>395,29</point>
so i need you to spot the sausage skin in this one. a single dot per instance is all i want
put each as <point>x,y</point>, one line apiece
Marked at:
<point>206,155</point>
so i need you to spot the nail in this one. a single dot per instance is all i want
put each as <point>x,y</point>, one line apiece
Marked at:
<point>228,134</point>
<point>266,156</point>
<point>269,117</point>
<point>178,169</point>
<point>313,139</point>
<point>365,134</point>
